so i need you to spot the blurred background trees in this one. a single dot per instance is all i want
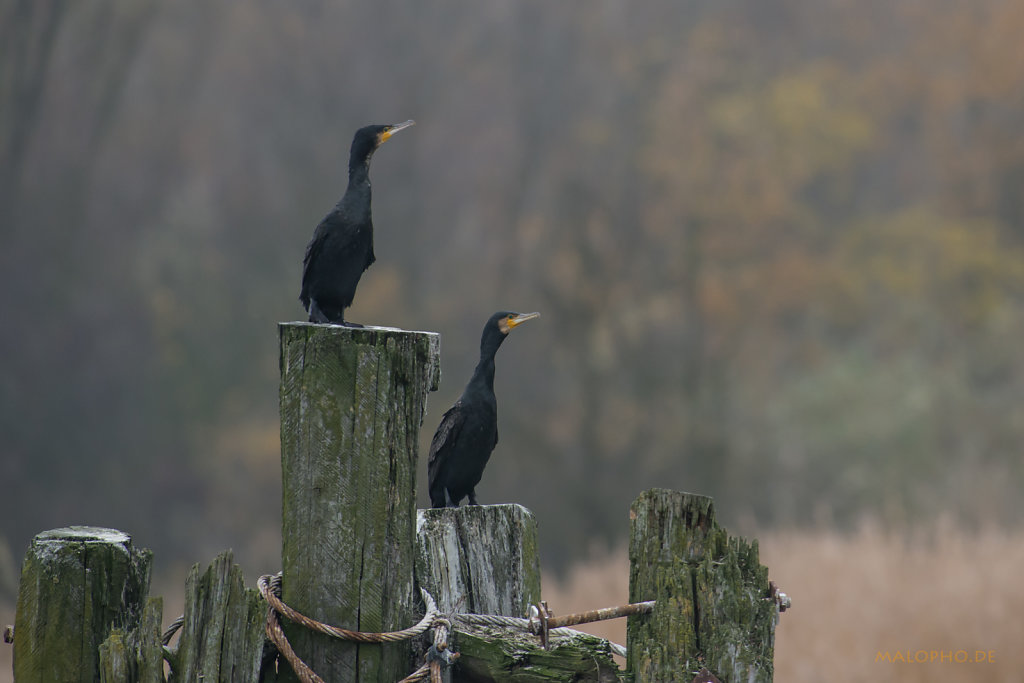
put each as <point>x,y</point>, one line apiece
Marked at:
<point>778,247</point>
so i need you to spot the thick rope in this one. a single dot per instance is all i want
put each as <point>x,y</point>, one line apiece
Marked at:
<point>439,656</point>
<point>270,588</point>
<point>278,638</point>
<point>420,674</point>
<point>307,675</point>
<point>165,639</point>
<point>511,622</point>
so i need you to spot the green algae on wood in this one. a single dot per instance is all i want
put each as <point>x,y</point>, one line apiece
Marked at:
<point>713,607</point>
<point>77,585</point>
<point>135,656</point>
<point>222,637</point>
<point>496,655</point>
<point>352,401</point>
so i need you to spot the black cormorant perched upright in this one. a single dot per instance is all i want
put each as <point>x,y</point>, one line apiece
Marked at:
<point>469,430</point>
<point>342,244</point>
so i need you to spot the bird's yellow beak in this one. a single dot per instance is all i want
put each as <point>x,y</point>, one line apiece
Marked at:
<point>395,128</point>
<point>514,321</point>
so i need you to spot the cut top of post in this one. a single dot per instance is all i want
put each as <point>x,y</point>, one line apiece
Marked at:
<point>428,344</point>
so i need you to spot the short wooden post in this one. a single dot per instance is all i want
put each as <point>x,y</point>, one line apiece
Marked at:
<point>484,560</point>
<point>77,584</point>
<point>222,637</point>
<point>352,401</point>
<point>713,606</point>
<point>479,559</point>
<point>150,647</point>
<point>135,656</point>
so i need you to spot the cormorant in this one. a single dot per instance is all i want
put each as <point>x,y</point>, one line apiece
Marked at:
<point>342,244</point>
<point>469,430</point>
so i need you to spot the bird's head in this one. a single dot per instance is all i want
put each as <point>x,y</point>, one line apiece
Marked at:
<point>505,321</point>
<point>498,327</point>
<point>369,138</point>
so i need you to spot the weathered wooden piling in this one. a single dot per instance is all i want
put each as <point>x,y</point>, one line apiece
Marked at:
<point>713,607</point>
<point>352,401</point>
<point>222,636</point>
<point>77,584</point>
<point>135,656</point>
<point>482,559</point>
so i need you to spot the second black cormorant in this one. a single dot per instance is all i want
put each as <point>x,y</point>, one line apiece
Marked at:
<point>469,430</point>
<point>342,244</point>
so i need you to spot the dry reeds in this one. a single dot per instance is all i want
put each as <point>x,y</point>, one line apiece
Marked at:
<point>946,605</point>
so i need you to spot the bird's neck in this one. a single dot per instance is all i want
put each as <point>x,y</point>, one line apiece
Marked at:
<point>359,172</point>
<point>358,193</point>
<point>483,375</point>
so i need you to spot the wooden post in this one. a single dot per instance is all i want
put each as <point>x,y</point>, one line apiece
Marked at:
<point>714,610</point>
<point>352,402</point>
<point>484,560</point>
<point>479,559</point>
<point>77,584</point>
<point>222,636</point>
<point>135,656</point>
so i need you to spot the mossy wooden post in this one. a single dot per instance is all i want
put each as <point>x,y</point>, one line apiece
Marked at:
<point>135,656</point>
<point>713,606</point>
<point>352,402</point>
<point>222,637</point>
<point>77,584</point>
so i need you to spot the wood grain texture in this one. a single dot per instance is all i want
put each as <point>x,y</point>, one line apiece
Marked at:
<point>480,559</point>
<point>711,590</point>
<point>117,659</point>
<point>483,559</point>
<point>77,584</point>
<point>150,650</point>
<point>135,656</point>
<point>222,637</point>
<point>495,655</point>
<point>352,402</point>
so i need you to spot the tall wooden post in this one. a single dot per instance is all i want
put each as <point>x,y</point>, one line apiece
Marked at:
<point>352,401</point>
<point>77,584</point>
<point>713,611</point>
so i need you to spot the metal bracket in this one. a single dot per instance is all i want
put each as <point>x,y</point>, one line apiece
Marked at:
<point>539,617</point>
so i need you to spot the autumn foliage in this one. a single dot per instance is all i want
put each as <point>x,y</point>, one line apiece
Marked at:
<point>778,247</point>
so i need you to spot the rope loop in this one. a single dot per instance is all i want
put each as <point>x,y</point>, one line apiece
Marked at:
<point>270,588</point>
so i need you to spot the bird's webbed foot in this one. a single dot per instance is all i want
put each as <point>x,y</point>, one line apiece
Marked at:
<point>448,502</point>
<point>472,497</point>
<point>315,314</point>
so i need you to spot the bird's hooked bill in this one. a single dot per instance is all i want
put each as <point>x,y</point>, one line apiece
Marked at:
<point>521,318</point>
<point>395,128</point>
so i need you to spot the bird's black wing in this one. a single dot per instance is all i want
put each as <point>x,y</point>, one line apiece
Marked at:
<point>446,434</point>
<point>316,245</point>
<point>335,259</point>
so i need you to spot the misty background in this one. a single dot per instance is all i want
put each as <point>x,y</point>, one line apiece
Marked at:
<point>778,248</point>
